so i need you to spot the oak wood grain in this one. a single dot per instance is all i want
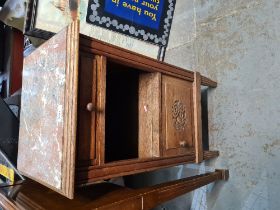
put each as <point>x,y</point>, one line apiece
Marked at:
<point>177,116</point>
<point>100,109</point>
<point>197,118</point>
<point>207,155</point>
<point>86,150</point>
<point>7,203</point>
<point>149,115</point>
<point>105,196</point>
<point>136,60</point>
<point>70,112</point>
<point>91,174</point>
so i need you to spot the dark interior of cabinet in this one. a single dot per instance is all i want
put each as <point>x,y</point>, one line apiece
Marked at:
<point>204,118</point>
<point>121,139</point>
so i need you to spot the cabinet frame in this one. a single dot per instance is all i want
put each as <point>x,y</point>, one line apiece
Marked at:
<point>90,174</point>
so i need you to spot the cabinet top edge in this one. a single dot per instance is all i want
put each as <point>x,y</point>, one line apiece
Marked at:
<point>91,45</point>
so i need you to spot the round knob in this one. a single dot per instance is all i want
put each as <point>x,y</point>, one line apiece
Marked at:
<point>183,143</point>
<point>90,107</point>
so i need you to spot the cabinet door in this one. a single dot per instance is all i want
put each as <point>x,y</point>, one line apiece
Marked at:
<point>91,110</point>
<point>86,143</point>
<point>177,122</point>
<point>47,139</point>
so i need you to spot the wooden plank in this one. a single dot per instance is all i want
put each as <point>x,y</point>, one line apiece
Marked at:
<point>98,47</point>
<point>86,110</point>
<point>16,61</point>
<point>224,174</point>
<point>101,106</point>
<point>93,111</point>
<point>158,194</point>
<point>208,82</point>
<point>34,196</point>
<point>137,60</point>
<point>207,155</point>
<point>153,196</point>
<point>7,203</point>
<point>149,115</point>
<point>123,168</point>
<point>127,167</point>
<point>70,114</point>
<point>47,141</point>
<point>107,196</point>
<point>135,203</point>
<point>197,117</point>
<point>116,198</point>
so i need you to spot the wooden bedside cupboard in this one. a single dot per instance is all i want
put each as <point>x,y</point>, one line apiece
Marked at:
<point>92,111</point>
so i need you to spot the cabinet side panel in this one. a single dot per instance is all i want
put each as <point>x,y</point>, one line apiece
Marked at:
<point>47,139</point>
<point>70,113</point>
<point>42,109</point>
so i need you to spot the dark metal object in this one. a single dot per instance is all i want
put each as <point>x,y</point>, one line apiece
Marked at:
<point>9,129</point>
<point>29,28</point>
<point>17,177</point>
<point>14,103</point>
<point>2,2</point>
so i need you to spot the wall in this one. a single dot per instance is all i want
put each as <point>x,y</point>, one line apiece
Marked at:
<point>236,43</point>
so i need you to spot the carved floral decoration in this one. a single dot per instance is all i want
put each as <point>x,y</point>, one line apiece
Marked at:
<point>179,115</point>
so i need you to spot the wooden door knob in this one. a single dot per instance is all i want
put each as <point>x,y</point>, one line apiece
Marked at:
<point>183,143</point>
<point>90,107</point>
